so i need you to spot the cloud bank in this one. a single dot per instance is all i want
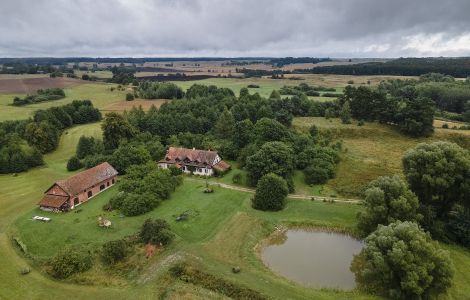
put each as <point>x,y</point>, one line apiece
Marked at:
<point>340,28</point>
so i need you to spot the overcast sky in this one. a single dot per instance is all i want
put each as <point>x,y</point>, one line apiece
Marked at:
<point>321,28</point>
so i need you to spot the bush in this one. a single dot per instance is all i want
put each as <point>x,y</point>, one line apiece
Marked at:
<point>114,251</point>
<point>70,260</point>
<point>74,164</point>
<point>156,232</point>
<point>271,193</point>
<point>136,204</point>
<point>129,97</point>
<point>400,261</point>
<point>237,178</point>
<point>315,174</point>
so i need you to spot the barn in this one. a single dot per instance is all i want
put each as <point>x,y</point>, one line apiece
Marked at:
<point>68,193</point>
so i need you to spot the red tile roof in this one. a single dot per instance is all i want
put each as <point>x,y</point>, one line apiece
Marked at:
<point>86,179</point>
<point>190,156</point>
<point>53,201</point>
<point>222,166</point>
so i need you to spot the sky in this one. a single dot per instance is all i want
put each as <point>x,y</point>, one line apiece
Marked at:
<point>234,28</point>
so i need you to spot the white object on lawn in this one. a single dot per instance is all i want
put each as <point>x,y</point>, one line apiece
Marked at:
<point>43,219</point>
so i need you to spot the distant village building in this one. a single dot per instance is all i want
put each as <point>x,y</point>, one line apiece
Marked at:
<point>199,162</point>
<point>68,193</point>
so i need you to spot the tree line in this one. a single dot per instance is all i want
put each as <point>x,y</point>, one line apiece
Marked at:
<point>25,141</point>
<point>41,96</point>
<point>457,67</point>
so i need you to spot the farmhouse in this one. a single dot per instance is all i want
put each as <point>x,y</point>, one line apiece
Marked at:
<point>199,162</point>
<point>67,193</point>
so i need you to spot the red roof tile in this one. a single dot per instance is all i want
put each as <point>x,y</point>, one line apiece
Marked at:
<point>83,180</point>
<point>222,166</point>
<point>54,201</point>
<point>192,156</point>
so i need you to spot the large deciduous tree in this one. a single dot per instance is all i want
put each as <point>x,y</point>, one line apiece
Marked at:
<point>116,128</point>
<point>387,199</point>
<point>273,157</point>
<point>400,261</point>
<point>439,174</point>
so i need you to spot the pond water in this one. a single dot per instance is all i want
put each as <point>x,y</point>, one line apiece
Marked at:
<point>314,258</point>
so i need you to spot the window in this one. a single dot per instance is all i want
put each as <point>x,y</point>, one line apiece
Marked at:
<point>112,181</point>
<point>107,183</point>
<point>102,187</point>
<point>75,201</point>
<point>90,193</point>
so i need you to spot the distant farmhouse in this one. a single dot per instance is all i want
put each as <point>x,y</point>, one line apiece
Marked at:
<point>199,162</point>
<point>68,193</point>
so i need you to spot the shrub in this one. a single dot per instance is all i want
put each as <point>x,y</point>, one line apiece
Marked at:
<point>237,178</point>
<point>114,251</point>
<point>315,174</point>
<point>74,164</point>
<point>156,232</point>
<point>271,193</point>
<point>70,260</point>
<point>129,97</point>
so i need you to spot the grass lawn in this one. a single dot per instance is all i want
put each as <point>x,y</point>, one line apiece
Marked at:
<point>99,93</point>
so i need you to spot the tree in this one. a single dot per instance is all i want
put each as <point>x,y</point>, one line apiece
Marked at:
<point>400,261</point>
<point>43,136</point>
<point>88,146</point>
<point>417,116</point>
<point>387,199</point>
<point>271,193</point>
<point>224,126</point>
<point>116,128</point>
<point>156,232</point>
<point>273,157</point>
<point>114,251</point>
<point>345,113</point>
<point>129,154</point>
<point>466,113</point>
<point>242,133</point>
<point>269,130</point>
<point>73,164</point>
<point>439,174</point>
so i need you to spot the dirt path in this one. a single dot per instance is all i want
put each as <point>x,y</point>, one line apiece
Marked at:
<point>292,196</point>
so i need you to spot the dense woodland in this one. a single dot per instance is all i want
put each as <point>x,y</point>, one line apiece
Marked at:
<point>457,67</point>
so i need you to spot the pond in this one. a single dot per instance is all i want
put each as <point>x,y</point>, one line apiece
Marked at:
<point>314,258</point>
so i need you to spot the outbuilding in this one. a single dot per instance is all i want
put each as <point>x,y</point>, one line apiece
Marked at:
<point>66,194</point>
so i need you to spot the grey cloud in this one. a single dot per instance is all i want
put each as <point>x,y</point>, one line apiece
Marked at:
<point>340,28</point>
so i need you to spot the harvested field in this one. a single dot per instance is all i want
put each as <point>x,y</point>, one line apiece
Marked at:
<point>128,105</point>
<point>22,85</point>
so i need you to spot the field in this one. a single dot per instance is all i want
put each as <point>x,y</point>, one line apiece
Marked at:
<point>370,151</point>
<point>29,85</point>
<point>99,93</point>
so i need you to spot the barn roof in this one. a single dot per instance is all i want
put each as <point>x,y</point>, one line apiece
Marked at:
<point>83,180</point>
<point>54,201</point>
<point>195,156</point>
